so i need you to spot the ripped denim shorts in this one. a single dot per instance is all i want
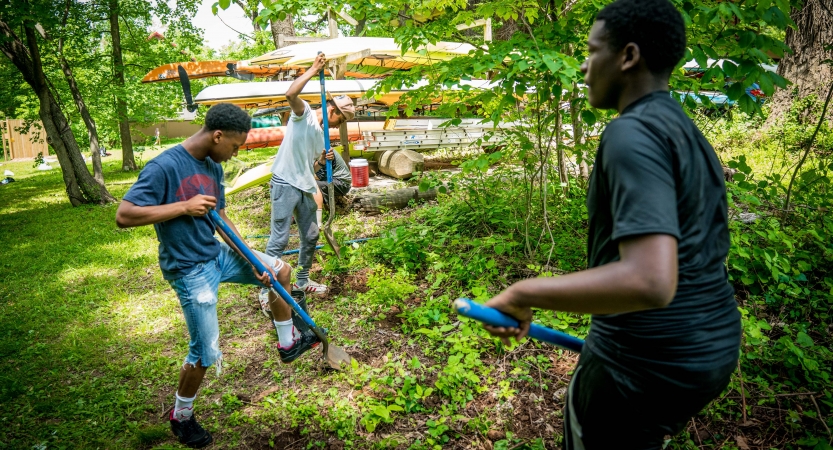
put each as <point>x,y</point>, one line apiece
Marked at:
<point>197,294</point>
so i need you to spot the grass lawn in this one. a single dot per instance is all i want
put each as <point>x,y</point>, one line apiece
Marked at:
<point>92,337</point>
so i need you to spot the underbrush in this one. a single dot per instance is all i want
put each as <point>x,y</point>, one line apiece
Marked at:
<point>91,336</point>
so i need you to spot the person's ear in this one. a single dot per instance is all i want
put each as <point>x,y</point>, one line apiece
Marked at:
<point>216,136</point>
<point>630,56</point>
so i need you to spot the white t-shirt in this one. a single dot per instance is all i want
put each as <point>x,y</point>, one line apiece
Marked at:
<point>302,144</point>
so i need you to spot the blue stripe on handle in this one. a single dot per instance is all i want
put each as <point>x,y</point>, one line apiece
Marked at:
<point>255,261</point>
<point>319,247</point>
<point>493,317</point>
<point>326,125</point>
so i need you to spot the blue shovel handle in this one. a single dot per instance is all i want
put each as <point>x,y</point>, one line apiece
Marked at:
<point>326,125</point>
<point>495,318</point>
<point>255,261</point>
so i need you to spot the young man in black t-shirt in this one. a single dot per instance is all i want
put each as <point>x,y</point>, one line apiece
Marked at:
<point>665,332</point>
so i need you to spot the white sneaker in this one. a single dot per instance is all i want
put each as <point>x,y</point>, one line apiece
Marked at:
<point>263,296</point>
<point>311,287</point>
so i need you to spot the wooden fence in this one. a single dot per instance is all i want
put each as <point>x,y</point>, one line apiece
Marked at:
<point>17,144</point>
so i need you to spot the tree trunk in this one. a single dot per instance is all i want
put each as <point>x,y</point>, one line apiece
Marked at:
<point>285,27</point>
<point>128,162</point>
<point>85,114</point>
<point>562,159</point>
<point>578,134</point>
<point>804,67</point>
<point>81,187</point>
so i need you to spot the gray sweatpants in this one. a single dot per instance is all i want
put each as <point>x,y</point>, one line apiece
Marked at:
<point>286,201</point>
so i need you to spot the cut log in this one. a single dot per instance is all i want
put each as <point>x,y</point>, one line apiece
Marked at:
<point>401,163</point>
<point>376,203</point>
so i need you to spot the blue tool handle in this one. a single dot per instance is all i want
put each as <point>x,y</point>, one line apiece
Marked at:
<point>495,318</point>
<point>326,125</point>
<point>255,261</point>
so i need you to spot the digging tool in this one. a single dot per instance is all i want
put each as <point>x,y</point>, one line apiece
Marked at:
<point>495,318</point>
<point>328,232</point>
<point>334,355</point>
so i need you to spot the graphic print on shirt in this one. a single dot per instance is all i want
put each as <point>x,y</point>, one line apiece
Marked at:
<point>194,185</point>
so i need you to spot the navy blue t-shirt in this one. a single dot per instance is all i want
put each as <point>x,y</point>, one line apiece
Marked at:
<point>655,173</point>
<point>176,176</point>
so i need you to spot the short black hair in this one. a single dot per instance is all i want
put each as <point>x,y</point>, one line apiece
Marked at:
<point>227,117</point>
<point>654,25</point>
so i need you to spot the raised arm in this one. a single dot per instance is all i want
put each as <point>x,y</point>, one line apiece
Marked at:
<point>297,86</point>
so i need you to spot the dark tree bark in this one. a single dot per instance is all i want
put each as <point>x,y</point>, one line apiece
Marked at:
<point>92,131</point>
<point>285,27</point>
<point>128,161</point>
<point>804,66</point>
<point>81,187</point>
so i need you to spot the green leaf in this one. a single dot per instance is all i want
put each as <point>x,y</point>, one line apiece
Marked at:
<point>766,84</point>
<point>554,66</point>
<point>382,412</point>
<point>225,4</point>
<point>714,72</point>
<point>729,68</point>
<point>214,9</point>
<point>588,117</point>
<point>700,57</point>
<point>736,91</point>
<point>395,408</point>
<point>804,340</point>
<point>779,81</point>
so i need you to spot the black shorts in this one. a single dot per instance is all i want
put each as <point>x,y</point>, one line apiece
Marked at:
<point>606,409</point>
<point>341,188</point>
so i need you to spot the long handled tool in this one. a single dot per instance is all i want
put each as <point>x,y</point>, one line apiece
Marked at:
<point>328,232</point>
<point>495,318</point>
<point>334,355</point>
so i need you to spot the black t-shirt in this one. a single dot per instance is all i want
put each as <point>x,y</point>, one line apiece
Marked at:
<point>655,173</point>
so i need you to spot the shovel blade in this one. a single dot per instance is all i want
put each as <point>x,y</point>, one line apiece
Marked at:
<point>337,358</point>
<point>328,233</point>
<point>334,355</point>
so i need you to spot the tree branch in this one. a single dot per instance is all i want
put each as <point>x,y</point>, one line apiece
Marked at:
<point>807,147</point>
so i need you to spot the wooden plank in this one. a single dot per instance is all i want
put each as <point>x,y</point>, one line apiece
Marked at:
<point>346,17</point>
<point>476,23</point>
<point>332,24</point>
<point>301,38</point>
<point>26,145</point>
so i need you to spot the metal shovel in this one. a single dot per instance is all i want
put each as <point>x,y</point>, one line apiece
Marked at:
<point>328,232</point>
<point>334,355</point>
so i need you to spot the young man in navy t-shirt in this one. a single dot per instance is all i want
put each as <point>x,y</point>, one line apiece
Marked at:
<point>665,332</point>
<point>174,193</point>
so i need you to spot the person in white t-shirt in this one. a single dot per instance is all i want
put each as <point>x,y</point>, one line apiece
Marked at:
<point>293,183</point>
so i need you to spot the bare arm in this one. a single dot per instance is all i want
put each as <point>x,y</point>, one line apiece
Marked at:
<point>131,215</point>
<point>297,86</point>
<point>645,277</point>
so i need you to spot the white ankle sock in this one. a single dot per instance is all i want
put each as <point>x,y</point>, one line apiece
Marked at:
<point>285,333</point>
<point>184,407</point>
<point>318,213</point>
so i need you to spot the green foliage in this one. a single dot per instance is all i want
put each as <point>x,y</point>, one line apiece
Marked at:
<point>84,29</point>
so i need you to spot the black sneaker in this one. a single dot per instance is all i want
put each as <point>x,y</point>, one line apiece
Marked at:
<point>308,340</point>
<point>190,433</point>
